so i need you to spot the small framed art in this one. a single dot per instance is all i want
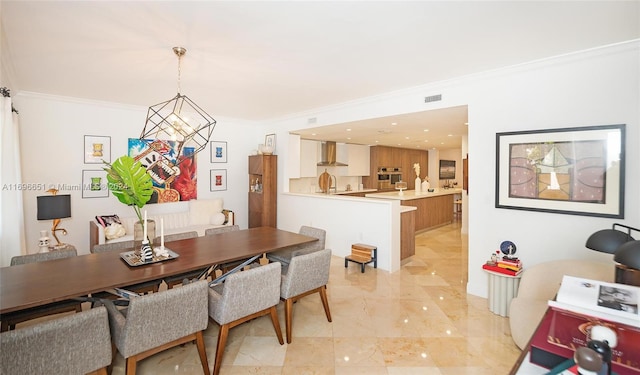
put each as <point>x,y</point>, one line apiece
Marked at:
<point>218,151</point>
<point>94,184</point>
<point>96,149</point>
<point>218,179</point>
<point>270,141</point>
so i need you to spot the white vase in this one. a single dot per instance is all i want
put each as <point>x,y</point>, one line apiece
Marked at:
<point>425,185</point>
<point>417,185</point>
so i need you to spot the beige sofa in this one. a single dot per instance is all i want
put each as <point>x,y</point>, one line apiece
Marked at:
<point>540,284</point>
<point>200,215</point>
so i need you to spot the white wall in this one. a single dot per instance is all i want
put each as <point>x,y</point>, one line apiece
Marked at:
<point>52,143</point>
<point>595,87</point>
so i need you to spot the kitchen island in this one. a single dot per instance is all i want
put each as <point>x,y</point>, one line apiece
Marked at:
<point>434,209</point>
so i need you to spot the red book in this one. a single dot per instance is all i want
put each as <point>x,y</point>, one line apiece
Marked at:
<point>501,270</point>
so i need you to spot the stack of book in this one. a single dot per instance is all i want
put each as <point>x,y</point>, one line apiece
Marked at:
<point>507,266</point>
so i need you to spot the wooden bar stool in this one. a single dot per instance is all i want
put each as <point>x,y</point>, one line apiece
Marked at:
<point>362,254</point>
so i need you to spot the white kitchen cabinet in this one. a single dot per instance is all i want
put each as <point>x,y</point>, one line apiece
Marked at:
<point>309,157</point>
<point>358,158</point>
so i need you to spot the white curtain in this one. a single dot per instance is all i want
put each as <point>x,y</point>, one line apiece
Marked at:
<point>12,240</point>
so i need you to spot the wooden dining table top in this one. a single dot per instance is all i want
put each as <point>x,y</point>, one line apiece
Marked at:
<point>36,284</point>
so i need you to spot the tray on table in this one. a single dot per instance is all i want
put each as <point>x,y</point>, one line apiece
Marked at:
<point>133,259</point>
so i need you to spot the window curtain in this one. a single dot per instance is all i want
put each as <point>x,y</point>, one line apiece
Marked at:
<point>12,239</point>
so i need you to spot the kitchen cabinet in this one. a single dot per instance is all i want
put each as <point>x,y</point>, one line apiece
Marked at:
<point>263,190</point>
<point>358,158</point>
<point>309,157</point>
<point>384,156</point>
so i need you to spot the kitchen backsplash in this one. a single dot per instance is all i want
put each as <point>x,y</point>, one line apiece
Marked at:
<point>310,185</point>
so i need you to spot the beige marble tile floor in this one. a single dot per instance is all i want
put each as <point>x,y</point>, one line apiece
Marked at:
<point>418,320</point>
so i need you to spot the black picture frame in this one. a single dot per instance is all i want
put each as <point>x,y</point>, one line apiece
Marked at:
<point>447,170</point>
<point>574,171</point>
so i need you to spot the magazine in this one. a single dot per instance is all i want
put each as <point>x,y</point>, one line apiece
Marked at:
<point>609,301</point>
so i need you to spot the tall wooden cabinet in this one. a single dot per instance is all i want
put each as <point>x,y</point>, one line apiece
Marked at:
<point>263,172</point>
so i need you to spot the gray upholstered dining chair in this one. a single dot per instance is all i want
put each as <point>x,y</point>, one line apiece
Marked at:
<point>306,274</point>
<point>244,296</point>
<point>284,256</point>
<point>159,321</point>
<point>8,321</point>
<point>172,281</point>
<point>141,288</point>
<point>73,344</point>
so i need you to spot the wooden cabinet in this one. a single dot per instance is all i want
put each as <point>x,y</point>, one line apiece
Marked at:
<point>309,156</point>
<point>263,190</point>
<point>407,234</point>
<point>358,158</point>
<point>383,156</point>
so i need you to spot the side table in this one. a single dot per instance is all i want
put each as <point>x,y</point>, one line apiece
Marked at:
<point>502,289</point>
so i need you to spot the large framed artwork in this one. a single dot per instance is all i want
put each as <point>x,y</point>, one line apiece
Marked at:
<point>575,171</point>
<point>96,149</point>
<point>174,176</point>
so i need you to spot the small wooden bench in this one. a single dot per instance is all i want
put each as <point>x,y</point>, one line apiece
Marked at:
<point>362,254</point>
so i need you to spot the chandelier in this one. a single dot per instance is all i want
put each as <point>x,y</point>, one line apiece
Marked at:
<point>180,120</point>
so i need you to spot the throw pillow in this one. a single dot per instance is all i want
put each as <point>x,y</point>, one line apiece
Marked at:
<point>107,220</point>
<point>113,231</point>
<point>200,210</point>
<point>218,219</point>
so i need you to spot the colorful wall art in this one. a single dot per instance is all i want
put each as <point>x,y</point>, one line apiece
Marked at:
<point>174,176</point>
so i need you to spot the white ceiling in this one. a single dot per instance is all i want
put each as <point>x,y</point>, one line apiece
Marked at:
<point>263,60</point>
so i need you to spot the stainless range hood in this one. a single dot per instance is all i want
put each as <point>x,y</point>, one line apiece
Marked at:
<point>328,155</point>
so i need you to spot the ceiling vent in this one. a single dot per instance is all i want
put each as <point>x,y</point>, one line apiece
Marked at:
<point>433,98</point>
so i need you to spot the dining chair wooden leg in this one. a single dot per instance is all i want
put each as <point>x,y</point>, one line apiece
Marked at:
<point>325,302</point>
<point>202,352</point>
<point>288,312</point>
<point>222,341</point>
<point>276,324</point>
<point>130,366</point>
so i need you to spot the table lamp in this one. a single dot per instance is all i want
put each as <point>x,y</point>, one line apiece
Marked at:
<point>625,248</point>
<point>54,207</point>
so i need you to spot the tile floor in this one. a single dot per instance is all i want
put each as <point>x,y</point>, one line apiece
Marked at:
<point>418,320</point>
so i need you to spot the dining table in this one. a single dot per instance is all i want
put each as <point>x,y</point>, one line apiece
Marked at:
<point>36,284</point>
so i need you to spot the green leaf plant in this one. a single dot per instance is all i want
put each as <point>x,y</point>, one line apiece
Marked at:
<point>130,182</point>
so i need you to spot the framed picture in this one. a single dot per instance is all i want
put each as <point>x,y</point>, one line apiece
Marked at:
<point>218,151</point>
<point>94,184</point>
<point>218,179</point>
<point>575,171</point>
<point>96,149</point>
<point>270,141</point>
<point>447,169</point>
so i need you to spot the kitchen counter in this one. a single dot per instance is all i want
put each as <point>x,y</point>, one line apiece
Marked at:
<point>412,194</point>
<point>433,209</point>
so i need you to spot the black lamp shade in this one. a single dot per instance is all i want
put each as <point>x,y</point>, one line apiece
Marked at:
<point>629,255</point>
<point>607,240</point>
<point>54,207</point>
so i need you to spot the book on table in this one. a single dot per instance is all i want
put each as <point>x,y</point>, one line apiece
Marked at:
<point>502,270</point>
<point>613,302</point>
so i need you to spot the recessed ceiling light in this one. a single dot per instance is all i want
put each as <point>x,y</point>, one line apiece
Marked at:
<point>441,143</point>
<point>377,141</point>
<point>426,140</point>
<point>449,135</point>
<point>425,130</point>
<point>313,133</point>
<point>399,144</point>
<point>394,123</point>
<point>348,130</point>
<point>406,137</point>
<point>466,123</point>
<point>349,138</point>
